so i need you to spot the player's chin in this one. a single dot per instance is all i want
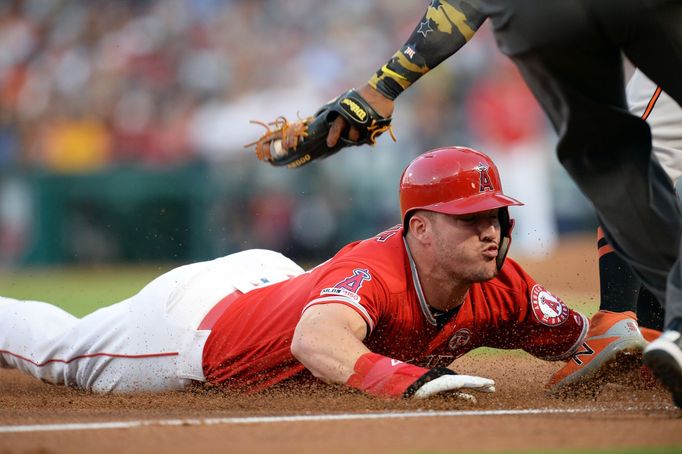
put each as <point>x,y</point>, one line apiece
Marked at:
<point>486,272</point>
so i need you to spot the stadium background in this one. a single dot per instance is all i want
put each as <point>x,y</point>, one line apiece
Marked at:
<point>122,124</point>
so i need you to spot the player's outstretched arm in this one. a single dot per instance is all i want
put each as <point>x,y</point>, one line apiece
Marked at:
<point>445,28</point>
<point>328,341</point>
<point>447,25</point>
<point>358,117</point>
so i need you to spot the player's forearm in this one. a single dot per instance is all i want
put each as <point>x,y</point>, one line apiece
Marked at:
<point>328,341</point>
<point>445,27</point>
<point>332,356</point>
<point>329,353</point>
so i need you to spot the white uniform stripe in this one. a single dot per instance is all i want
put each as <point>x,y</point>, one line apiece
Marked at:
<point>341,299</point>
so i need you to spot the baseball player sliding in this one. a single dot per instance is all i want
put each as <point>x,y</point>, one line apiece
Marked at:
<point>570,55</point>
<point>385,315</point>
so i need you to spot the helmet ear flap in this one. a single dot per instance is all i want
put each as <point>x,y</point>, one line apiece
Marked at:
<point>506,227</point>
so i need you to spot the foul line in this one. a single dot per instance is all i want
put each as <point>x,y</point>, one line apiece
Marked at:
<point>297,418</point>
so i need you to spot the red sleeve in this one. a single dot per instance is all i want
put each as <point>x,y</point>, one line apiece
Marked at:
<point>354,285</point>
<point>543,325</point>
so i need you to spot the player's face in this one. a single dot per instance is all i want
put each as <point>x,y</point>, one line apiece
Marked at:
<point>467,245</point>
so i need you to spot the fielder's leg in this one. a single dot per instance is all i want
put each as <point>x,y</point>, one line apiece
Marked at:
<point>31,325</point>
<point>618,285</point>
<point>576,73</point>
<point>660,29</point>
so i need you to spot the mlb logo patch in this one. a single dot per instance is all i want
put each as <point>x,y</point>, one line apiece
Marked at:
<point>341,292</point>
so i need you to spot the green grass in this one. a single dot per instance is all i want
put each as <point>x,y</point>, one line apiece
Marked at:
<point>82,290</point>
<point>78,290</point>
<point>586,304</point>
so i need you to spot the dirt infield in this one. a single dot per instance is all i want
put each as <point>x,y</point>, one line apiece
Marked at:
<point>197,421</point>
<point>619,416</point>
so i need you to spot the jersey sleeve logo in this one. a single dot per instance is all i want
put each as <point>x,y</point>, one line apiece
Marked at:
<point>354,282</point>
<point>349,286</point>
<point>547,308</point>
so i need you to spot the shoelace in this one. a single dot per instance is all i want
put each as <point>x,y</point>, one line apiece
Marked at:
<point>278,130</point>
<point>375,130</point>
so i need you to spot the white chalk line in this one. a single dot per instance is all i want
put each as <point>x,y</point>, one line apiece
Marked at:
<point>300,418</point>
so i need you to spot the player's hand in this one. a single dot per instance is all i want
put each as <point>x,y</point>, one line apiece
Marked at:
<point>382,105</point>
<point>347,120</point>
<point>382,376</point>
<point>444,381</point>
<point>448,383</point>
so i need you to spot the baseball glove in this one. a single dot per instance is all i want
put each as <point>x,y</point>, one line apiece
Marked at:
<point>296,144</point>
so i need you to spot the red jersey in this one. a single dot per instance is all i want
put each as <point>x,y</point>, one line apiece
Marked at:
<point>249,345</point>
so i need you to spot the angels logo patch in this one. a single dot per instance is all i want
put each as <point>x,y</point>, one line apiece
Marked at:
<point>547,308</point>
<point>354,282</point>
<point>349,286</point>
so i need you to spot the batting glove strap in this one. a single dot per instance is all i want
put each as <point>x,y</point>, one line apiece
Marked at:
<point>432,374</point>
<point>381,376</point>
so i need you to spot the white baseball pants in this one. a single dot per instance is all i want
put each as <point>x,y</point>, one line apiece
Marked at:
<point>147,343</point>
<point>664,116</point>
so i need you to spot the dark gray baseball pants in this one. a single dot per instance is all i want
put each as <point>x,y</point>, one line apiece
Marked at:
<point>569,52</point>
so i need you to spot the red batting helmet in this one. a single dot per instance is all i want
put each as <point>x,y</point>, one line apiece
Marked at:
<point>456,180</point>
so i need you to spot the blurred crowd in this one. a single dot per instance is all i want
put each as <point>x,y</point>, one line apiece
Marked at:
<point>86,85</point>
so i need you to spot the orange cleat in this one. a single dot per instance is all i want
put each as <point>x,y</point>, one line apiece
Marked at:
<point>611,351</point>
<point>650,334</point>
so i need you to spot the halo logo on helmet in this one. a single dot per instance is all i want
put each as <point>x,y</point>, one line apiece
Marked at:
<point>486,183</point>
<point>456,180</point>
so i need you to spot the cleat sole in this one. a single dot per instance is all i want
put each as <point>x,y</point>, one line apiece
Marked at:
<point>623,367</point>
